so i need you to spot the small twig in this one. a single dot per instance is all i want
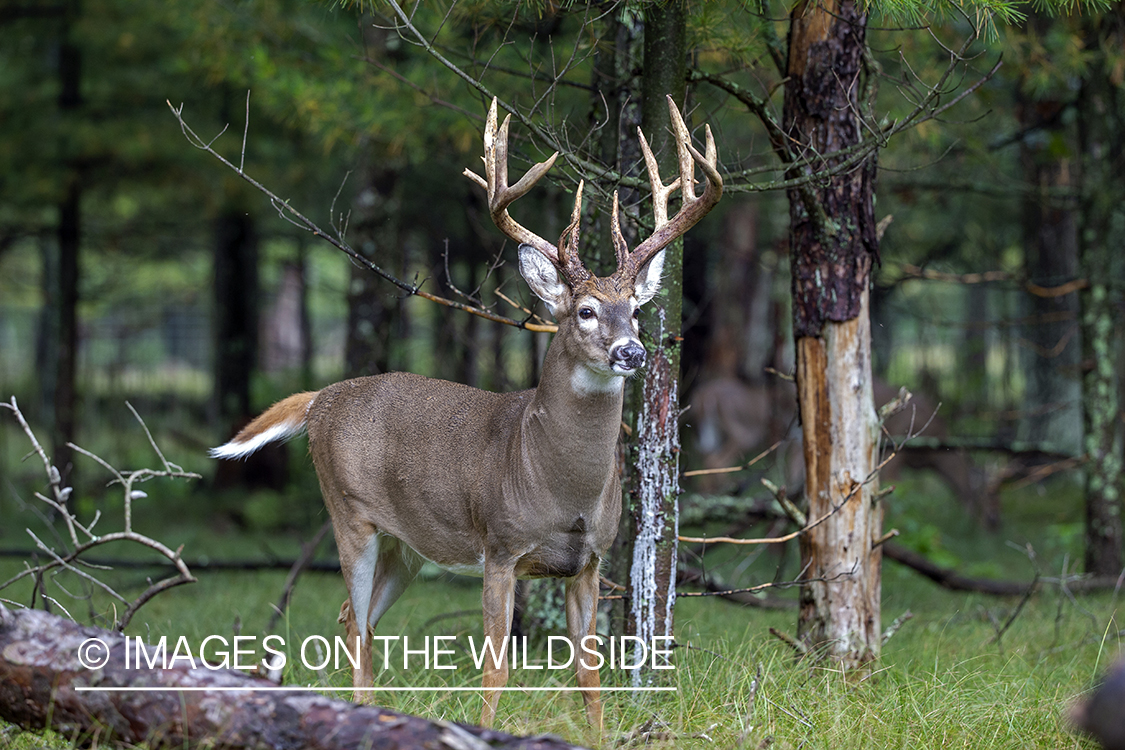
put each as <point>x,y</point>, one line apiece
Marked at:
<point>747,722</point>
<point>245,130</point>
<point>894,626</point>
<point>308,549</point>
<point>783,375</point>
<point>790,641</point>
<point>729,469</point>
<point>1016,613</point>
<point>886,537</point>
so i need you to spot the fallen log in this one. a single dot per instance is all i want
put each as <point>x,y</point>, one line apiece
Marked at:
<point>41,677</point>
<point>954,581</point>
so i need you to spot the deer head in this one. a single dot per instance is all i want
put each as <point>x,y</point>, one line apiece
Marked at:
<point>599,314</point>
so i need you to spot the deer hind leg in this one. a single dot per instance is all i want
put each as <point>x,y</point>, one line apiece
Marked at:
<point>498,601</point>
<point>359,554</point>
<point>581,621</point>
<point>376,579</point>
<point>396,568</point>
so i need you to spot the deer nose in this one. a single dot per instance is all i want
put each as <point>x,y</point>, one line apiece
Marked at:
<point>630,354</point>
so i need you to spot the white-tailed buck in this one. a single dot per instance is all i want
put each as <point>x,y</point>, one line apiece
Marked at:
<point>504,486</point>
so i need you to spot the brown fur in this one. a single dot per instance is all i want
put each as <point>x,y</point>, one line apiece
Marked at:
<point>287,411</point>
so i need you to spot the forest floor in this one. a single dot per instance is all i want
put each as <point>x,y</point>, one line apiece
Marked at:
<point>958,674</point>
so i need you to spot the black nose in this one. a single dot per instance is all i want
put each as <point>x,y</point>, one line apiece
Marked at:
<point>632,355</point>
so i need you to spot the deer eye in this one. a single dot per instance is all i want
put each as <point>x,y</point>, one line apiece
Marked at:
<point>585,313</point>
<point>637,313</point>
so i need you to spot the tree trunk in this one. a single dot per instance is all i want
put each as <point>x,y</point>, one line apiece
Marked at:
<point>1100,122</point>
<point>371,305</point>
<point>833,245</point>
<point>236,316</point>
<point>66,359</point>
<point>1053,415</point>
<point>655,482</point>
<point>69,239</point>
<point>40,671</point>
<point>615,80</point>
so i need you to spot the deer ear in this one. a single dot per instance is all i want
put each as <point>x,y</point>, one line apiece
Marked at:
<point>543,278</point>
<point>648,279</point>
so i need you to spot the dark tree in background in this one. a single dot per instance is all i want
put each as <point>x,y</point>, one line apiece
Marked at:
<point>236,317</point>
<point>64,327</point>
<point>372,307</point>
<point>1053,405</point>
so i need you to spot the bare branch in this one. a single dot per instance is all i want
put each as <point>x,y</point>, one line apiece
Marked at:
<point>70,560</point>
<point>298,219</point>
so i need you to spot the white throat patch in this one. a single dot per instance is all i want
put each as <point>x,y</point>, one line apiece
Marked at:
<point>588,382</point>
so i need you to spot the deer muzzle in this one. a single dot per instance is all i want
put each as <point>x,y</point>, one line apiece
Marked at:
<point>627,357</point>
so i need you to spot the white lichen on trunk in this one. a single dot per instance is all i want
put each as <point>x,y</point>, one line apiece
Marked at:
<point>653,573</point>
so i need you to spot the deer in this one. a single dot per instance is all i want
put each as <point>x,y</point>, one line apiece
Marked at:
<point>500,486</point>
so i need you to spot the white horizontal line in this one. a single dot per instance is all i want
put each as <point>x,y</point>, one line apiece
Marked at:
<point>294,689</point>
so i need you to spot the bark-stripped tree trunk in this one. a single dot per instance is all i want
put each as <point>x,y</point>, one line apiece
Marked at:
<point>40,669</point>
<point>655,482</point>
<point>1100,122</point>
<point>833,245</point>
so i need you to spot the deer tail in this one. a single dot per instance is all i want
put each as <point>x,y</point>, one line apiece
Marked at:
<point>283,421</point>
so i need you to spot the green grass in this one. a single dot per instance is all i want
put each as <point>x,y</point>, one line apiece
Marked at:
<point>942,681</point>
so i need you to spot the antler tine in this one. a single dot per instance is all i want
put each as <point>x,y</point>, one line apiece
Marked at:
<point>500,194</point>
<point>692,208</point>
<point>569,263</point>
<point>621,249</point>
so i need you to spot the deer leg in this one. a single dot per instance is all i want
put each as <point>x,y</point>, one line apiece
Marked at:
<point>395,570</point>
<point>359,554</point>
<point>498,600</point>
<point>581,621</point>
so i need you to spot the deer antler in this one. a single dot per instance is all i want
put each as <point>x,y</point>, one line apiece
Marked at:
<point>501,195</point>
<point>692,208</point>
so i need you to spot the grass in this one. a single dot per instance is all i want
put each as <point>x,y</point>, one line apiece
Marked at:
<point>943,681</point>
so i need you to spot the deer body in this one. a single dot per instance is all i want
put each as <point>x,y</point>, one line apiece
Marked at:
<point>504,486</point>
<point>461,475</point>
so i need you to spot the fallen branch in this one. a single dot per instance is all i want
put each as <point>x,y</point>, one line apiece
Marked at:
<point>949,578</point>
<point>43,684</point>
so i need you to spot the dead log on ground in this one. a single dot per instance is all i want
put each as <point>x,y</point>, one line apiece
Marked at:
<point>40,671</point>
<point>954,581</point>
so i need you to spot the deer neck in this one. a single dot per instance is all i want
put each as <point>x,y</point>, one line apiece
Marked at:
<point>571,426</point>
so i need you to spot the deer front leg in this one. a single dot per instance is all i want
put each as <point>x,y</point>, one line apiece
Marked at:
<point>581,621</point>
<point>498,600</point>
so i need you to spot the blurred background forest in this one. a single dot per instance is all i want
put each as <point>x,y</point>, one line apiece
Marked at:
<point>134,267</point>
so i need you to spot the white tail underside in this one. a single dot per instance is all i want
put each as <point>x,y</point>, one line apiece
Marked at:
<point>277,434</point>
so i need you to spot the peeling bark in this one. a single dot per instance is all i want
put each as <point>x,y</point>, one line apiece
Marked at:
<point>833,245</point>
<point>40,674</point>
